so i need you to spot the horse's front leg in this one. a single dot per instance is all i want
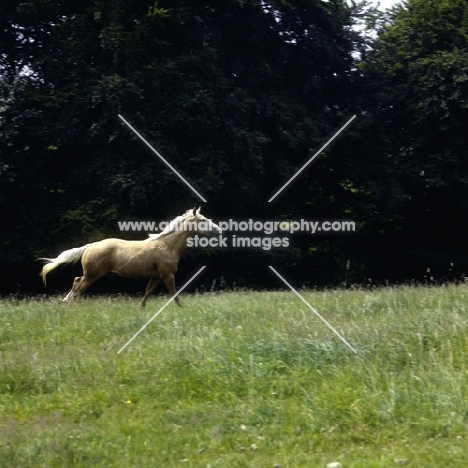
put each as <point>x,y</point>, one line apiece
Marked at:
<point>169,281</point>
<point>153,282</point>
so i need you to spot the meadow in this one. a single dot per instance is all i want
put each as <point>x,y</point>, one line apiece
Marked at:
<point>237,379</point>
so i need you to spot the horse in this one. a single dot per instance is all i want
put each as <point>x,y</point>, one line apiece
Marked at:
<point>156,257</point>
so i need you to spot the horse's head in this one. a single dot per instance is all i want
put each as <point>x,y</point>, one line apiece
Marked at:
<point>198,224</point>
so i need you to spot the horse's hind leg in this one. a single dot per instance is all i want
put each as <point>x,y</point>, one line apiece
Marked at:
<point>169,281</point>
<point>153,282</point>
<point>76,282</point>
<point>80,285</point>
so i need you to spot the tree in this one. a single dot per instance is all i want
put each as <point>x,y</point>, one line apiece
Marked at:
<point>235,94</point>
<point>417,114</point>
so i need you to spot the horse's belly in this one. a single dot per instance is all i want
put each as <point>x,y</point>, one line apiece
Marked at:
<point>132,263</point>
<point>137,269</point>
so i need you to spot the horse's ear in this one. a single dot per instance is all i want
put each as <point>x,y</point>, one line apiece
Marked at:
<point>198,211</point>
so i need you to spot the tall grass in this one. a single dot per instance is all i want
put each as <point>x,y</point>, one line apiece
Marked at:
<point>245,379</point>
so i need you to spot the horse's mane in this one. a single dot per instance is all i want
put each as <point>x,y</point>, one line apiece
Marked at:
<point>171,226</point>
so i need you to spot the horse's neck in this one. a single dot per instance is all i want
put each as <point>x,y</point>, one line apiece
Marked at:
<point>176,241</point>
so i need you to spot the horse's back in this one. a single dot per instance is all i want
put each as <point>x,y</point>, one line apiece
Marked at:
<point>115,243</point>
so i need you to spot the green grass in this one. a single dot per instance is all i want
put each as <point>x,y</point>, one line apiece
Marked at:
<point>245,379</point>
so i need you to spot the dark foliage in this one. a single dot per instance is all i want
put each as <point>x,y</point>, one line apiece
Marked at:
<point>237,95</point>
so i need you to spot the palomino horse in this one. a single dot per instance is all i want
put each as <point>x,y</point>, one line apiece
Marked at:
<point>156,257</point>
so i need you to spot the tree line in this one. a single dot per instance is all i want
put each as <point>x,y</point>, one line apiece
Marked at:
<point>238,95</point>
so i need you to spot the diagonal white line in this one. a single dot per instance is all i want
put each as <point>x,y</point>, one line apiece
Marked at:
<point>162,159</point>
<point>313,310</point>
<point>161,309</point>
<point>311,159</point>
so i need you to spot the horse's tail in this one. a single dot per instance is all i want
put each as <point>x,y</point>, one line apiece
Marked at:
<point>69,256</point>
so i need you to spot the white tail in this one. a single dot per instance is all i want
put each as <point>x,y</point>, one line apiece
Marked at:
<point>69,256</point>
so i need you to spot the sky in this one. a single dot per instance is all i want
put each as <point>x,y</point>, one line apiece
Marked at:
<point>384,4</point>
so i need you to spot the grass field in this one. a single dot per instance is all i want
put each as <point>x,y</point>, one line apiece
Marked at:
<point>244,379</point>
